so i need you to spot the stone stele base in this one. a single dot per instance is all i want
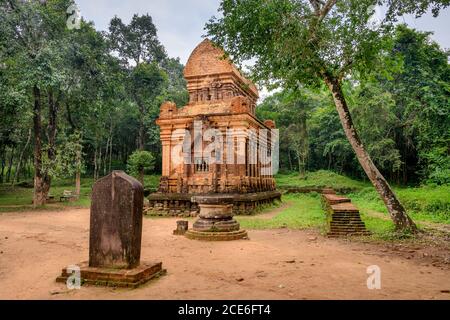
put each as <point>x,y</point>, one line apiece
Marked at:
<point>216,221</point>
<point>125,278</point>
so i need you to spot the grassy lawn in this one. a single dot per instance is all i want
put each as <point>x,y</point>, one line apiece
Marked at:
<point>20,199</point>
<point>320,179</point>
<point>425,204</point>
<point>304,211</point>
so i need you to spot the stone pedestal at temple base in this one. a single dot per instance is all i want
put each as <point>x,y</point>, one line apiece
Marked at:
<point>216,221</point>
<point>115,236</point>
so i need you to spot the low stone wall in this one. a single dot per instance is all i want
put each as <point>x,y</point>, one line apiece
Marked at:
<point>289,190</point>
<point>319,189</point>
<point>180,204</point>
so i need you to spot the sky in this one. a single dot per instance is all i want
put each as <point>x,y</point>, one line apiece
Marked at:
<point>180,23</point>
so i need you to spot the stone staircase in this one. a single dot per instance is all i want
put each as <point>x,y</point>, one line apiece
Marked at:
<point>343,217</point>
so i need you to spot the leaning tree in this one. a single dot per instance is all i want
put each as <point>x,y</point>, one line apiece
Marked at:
<point>309,42</point>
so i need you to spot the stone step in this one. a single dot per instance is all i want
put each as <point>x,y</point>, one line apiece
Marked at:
<point>333,199</point>
<point>343,212</point>
<point>339,234</point>
<point>328,191</point>
<point>347,220</point>
<point>344,207</point>
<point>346,216</point>
<point>348,228</point>
<point>338,223</point>
<point>353,230</point>
<point>347,234</point>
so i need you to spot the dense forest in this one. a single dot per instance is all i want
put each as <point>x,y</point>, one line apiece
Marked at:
<point>402,111</point>
<point>79,102</point>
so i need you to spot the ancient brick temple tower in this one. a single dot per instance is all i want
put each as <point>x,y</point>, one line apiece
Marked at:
<point>222,100</point>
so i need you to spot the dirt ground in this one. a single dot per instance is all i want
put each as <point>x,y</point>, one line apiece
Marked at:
<point>273,264</point>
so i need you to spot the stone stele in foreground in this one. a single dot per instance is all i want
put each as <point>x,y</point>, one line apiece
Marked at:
<point>115,235</point>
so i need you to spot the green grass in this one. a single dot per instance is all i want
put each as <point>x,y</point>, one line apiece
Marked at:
<point>20,199</point>
<point>304,212</point>
<point>424,204</point>
<point>427,203</point>
<point>320,179</point>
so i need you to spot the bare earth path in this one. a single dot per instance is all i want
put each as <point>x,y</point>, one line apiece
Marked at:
<point>274,264</point>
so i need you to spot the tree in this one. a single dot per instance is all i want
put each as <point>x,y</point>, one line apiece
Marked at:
<point>138,43</point>
<point>35,31</point>
<point>140,161</point>
<point>290,110</point>
<point>69,162</point>
<point>421,92</point>
<point>314,42</point>
<point>147,84</point>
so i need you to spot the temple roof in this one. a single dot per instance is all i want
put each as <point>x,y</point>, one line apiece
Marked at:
<point>207,59</point>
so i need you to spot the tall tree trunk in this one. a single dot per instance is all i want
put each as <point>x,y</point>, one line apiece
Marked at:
<point>290,160</point>
<point>141,137</point>
<point>19,163</point>
<point>303,148</point>
<point>105,158</point>
<point>396,210</point>
<point>40,196</point>
<point>95,164</point>
<point>329,160</point>
<point>51,133</point>
<point>29,167</point>
<point>111,144</point>
<point>10,165</point>
<point>301,165</point>
<point>78,175</point>
<point>3,160</point>
<point>141,142</point>
<point>99,162</point>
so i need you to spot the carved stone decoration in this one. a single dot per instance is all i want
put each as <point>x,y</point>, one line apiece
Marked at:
<point>240,104</point>
<point>168,110</point>
<point>163,184</point>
